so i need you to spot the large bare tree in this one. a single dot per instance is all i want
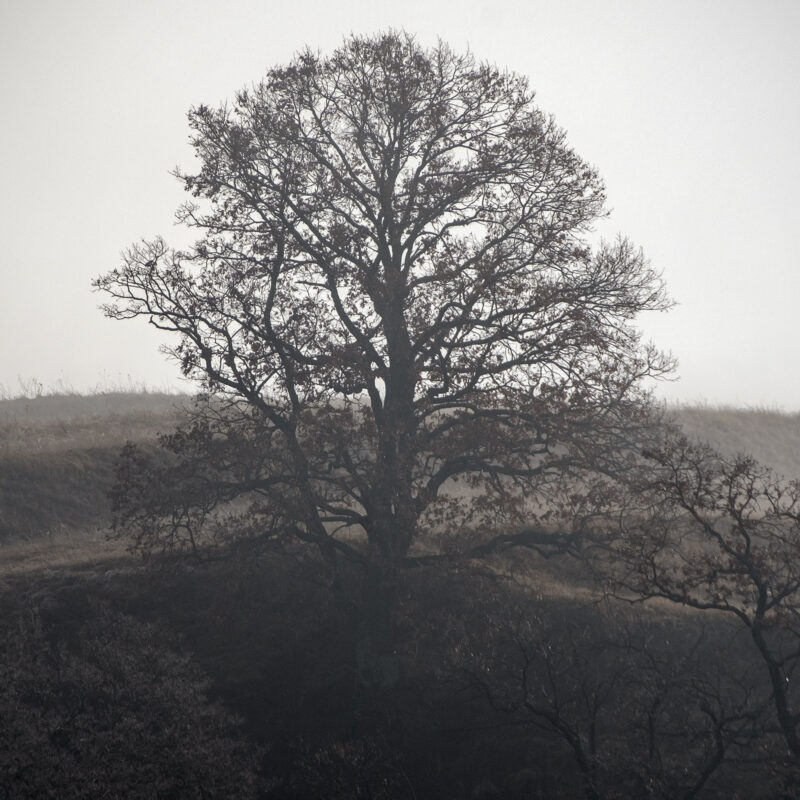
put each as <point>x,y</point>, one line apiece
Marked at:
<point>393,296</point>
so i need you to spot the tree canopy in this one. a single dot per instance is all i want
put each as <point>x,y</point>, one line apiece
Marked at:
<point>394,294</point>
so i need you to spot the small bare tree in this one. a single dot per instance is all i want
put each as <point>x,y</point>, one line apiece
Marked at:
<point>627,706</point>
<point>721,535</point>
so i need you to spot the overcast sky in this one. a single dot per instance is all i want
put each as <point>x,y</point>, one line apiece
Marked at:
<point>689,110</point>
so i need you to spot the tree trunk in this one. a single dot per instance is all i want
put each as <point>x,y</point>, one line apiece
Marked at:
<point>377,659</point>
<point>786,719</point>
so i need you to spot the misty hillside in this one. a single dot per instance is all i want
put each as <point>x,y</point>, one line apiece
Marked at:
<point>56,408</point>
<point>771,437</point>
<point>58,452</point>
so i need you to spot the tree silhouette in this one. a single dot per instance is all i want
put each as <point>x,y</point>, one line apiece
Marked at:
<point>393,296</point>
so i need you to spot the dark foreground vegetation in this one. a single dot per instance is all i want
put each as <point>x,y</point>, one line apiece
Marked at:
<point>517,675</point>
<point>128,686</point>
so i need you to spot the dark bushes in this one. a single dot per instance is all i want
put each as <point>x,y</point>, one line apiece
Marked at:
<point>110,708</point>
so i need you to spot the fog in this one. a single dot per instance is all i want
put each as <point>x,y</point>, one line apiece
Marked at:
<point>689,111</point>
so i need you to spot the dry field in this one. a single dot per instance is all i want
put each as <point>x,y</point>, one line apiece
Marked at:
<point>57,461</point>
<point>772,437</point>
<point>58,455</point>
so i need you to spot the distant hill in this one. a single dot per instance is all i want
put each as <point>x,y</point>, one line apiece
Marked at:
<point>60,407</point>
<point>772,437</point>
<point>58,453</point>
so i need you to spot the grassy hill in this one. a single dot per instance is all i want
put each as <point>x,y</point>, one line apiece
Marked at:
<point>772,437</point>
<point>58,452</point>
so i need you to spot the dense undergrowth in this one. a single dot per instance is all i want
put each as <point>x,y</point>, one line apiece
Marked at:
<point>518,677</point>
<point>129,677</point>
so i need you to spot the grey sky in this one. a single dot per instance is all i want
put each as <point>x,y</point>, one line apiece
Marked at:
<point>689,110</point>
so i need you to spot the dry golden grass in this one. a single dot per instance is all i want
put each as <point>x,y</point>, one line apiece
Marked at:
<point>58,454</point>
<point>61,422</point>
<point>68,549</point>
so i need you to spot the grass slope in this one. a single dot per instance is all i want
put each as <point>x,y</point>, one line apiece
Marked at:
<point>58,452</point>
<point>58,455</point>
<point>772,437</point>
